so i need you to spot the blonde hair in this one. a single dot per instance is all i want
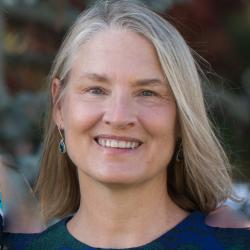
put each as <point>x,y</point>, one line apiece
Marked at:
<point>200,182</point>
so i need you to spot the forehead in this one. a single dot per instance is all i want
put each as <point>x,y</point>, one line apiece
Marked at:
<point>117,52</point>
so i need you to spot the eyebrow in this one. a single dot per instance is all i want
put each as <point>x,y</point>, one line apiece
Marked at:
<point>150,81</point>
<point>140,82</point>
<point>96,77</point>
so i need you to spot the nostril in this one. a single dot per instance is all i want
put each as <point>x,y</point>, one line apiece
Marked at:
<point>120,114</point>
<point>119,123</point>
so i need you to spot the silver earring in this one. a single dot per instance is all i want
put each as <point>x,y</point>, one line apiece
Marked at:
<point>61,146</point>
<point>179,155</point>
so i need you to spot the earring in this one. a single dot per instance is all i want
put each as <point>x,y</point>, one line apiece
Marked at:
<point>179,155</point>
<point>61,146</point>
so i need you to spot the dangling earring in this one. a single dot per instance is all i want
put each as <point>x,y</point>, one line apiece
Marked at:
<point>61,146</point>
<point>179,155</point>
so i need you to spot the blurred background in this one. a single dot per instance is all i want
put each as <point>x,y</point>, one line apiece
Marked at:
<point>31,32</point>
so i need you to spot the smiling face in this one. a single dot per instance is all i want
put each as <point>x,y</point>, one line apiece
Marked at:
<point>117,112</point>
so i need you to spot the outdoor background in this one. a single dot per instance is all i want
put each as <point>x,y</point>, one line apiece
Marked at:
<point>32,30</point>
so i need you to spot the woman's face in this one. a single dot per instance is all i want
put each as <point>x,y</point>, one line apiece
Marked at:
<point>118,113</point>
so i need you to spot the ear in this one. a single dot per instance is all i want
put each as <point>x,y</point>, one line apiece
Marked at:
<point>57,107</point>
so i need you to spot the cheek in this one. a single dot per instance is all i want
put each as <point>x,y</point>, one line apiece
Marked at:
<point>160,121</point>
<point>161,125</point>
<point>77,114</point>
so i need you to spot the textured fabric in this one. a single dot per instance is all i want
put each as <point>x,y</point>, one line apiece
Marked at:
<point>191,234</point>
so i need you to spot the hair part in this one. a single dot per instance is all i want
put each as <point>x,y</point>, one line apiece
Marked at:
<point>202,181</point>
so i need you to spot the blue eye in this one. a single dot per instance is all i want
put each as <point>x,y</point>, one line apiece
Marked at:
<point>148,93</point>
<point>96,91</point>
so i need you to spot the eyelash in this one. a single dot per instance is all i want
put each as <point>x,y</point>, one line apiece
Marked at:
<point>102,91</point>
<point>152,93</point>
<point>93,89</point>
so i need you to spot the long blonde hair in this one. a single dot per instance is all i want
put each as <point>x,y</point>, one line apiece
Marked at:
<point>202,180</point>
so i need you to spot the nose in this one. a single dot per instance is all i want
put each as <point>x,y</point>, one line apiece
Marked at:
<point>120,112</point>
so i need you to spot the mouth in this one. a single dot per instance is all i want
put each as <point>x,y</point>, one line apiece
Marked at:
<point>118,142</point>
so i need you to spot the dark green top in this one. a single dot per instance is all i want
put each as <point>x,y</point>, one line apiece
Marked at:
<point>190,234</point>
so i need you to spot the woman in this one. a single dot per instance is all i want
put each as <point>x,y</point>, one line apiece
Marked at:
<point>139,165</point>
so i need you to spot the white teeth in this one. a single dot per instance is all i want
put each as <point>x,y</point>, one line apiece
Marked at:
<point>114,144</point>
<point>122,144</point>
<point>117,144</point>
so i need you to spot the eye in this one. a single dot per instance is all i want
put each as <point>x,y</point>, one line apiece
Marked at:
<point>148,93</point>
<point>96,91</point>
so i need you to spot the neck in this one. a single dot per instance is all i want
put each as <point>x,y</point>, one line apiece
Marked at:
<point>122,216</point>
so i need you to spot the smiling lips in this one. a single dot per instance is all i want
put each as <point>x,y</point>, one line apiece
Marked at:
<point>118,142</point>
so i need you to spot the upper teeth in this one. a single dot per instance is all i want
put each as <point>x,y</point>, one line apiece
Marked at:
<point>117,144</point>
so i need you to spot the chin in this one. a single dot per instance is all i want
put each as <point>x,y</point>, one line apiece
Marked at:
<point>119,180</point>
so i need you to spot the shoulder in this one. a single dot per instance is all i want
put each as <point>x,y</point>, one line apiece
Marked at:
<point>18,241</point>
<point>43,240</point>
<point>55,237</point>
<point>232,238</point>
<point>229,227</point>
<point>196,230</point>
